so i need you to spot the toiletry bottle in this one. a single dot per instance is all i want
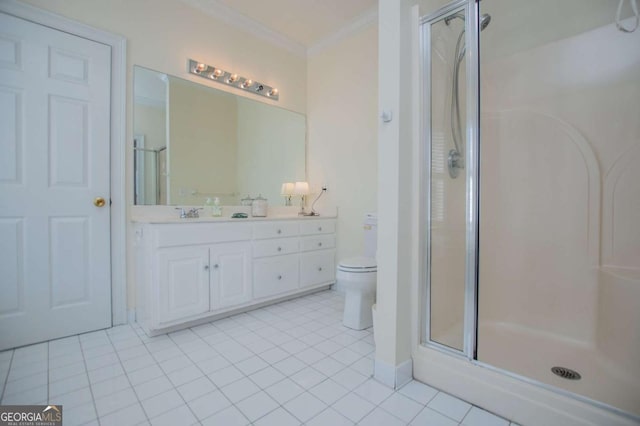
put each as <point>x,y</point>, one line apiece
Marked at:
<point>217,208</point>
<point>208,207</point>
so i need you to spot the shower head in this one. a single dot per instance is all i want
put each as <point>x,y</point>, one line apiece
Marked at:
<point>484,19</point>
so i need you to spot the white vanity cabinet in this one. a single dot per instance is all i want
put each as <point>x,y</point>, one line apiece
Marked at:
<point>189,272</point>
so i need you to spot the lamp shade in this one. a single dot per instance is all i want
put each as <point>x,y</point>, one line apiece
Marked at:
<point>301,188</point>
<point>287,188</point>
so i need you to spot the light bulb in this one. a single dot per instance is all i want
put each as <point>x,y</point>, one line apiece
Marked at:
<point>217,73</point>
<point>199,68</point>
<point>273,92</point>
<point>232,78</point>
<point>247,83</point>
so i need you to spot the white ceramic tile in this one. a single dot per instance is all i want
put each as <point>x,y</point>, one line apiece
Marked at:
<point>379,417</point>
<point>230,416</point>
<point>432,418</point>
<point>196,388</point>
<point>153,387</point>
<point>180,415</point>
<point>284,390</point>
<point>68,359</point>
<point>294,346</point>
<point>402,407</point>
<point>61,387</point>
<point>328,366</point>
<point>110,403</point>
<point>274,355</point>
<point>101,361</point>
<point>233,351</point>
<point>450,406</point>
<point>278,417</point>
<point>251,365</point>
<point>479,417</point>
<point>311,338</point>
<point>363,366</point>
<point>240,389</point>
<point>362,348</point>
<point>419,392</point>
<point>353,407</point>
<point>305,406</point>
<point>167,353</point>
<point>132,352</point>
<point>209,404</point>
<point>162,403</point>
<point>349,378</point>
<point>310,356</point>
<point>329,417</point>
<point>73,399</point>
<point>346,356</point>
<point>67,371</point>
<point>308,377</point>
<point>257,405</point>
<point>27,397</point>
<point>225,376</point>
<point>137,363</point>
<point>176,363</point>
<point>266,377</point>
<point>105,373</point>
<point>110,386</point>
<point>328,391</point>
<point>202,354</point>
<point>289,366</point>
<point>185,375</point>
<point>129,416</point>
<point>145,374</point>
<point>373,391</point>
<point>26,383</point>
<point>211,365</point>
<point>79,415</point>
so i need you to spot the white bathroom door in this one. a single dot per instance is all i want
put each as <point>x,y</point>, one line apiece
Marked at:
<point>55,273</point>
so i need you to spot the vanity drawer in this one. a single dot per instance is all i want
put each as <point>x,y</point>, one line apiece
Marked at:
<point>280,246</point>
<point>310,227</point>
<point>275,275</point>
<point>317,267</point>
<point>318,242</point>
<point>275,230</point>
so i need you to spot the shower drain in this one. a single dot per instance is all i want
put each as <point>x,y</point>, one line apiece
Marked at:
<point>566,373</point>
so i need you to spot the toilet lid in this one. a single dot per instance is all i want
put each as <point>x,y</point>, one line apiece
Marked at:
<point>358,264</point>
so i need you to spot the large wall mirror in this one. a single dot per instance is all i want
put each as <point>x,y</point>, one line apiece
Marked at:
<point>192,142</point>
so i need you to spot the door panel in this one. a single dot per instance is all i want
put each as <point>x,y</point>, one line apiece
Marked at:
<point>230,274</point>
<point>54,160</point>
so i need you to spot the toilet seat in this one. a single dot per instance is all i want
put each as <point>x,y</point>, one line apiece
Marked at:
<point>358,265</point>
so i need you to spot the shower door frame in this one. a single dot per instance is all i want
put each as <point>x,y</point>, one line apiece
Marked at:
<point>472,172</point>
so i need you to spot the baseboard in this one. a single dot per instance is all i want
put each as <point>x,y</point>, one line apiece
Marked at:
<point>393,376</point>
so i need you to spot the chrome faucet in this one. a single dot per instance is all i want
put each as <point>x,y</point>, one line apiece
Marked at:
<point>190,214</point>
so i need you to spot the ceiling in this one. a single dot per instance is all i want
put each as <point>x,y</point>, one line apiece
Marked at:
<point>304,22</point>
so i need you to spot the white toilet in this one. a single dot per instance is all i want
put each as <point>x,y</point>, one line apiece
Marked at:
<point>357,277</point>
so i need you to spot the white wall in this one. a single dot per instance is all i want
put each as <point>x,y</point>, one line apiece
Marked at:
<point>163,35</point>
<point>343,133</point>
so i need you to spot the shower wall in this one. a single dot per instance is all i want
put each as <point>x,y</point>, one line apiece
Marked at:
<point>559,271</point>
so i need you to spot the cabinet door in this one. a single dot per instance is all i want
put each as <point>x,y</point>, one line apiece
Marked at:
<point>230,274</point>
<point>183,283</point>
<point>317,267</point>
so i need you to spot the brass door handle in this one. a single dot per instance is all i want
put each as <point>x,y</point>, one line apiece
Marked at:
<point>99,202</point>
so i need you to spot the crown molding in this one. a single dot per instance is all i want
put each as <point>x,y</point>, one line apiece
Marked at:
<point>238,20</point>
<point>358,24</point>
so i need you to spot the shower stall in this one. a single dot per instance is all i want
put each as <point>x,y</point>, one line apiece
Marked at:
<point>531,128</point>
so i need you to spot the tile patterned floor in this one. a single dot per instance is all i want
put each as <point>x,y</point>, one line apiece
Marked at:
<point>291,363</point>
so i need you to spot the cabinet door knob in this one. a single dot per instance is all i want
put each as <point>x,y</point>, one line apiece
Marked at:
<point>319,244</point>
<point>319,228</point>
<point>279,248</point>
<point>320,269</point>
<point>279,277</point>
<point>279,231</point>
<point>215,266</point>
<point>206,267</point>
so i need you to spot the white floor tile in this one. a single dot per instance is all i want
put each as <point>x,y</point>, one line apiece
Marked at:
<point>379,417</point>
<point>373,391</point>
<point>209,404</point>
<point>266,377</point>
<point>240,389</point>
<point>129,416</point>
<point>180,415</point>
<point>432,418</point>
<point>185,375</point>
<point>284,390</point>
<point>289,366</point>
<point>251,365</point>
<point>110,386</point>
<point>153,387</point>
<point>137,363</point>
<point>28,397</point>
<point>353,407</point>
<point>274,355</point>
<point>257,405</point>
<point>328,391</point>
<point>26,383</point>
<point>61,387</point>
<point>176,363</point>
<point>110,403</point>
<point>479,417</point>
<point>230,416</point>
<point>349,378</point>
<point>419,392</point>
<point>214,364</point>
<point>162,403</point>
<point>225,376</point>
<point>305,406</point>
<point>329,417</point>
<point>328,366</point>
<point>73,399</point>
<point>402,407</point>
<point>310,356</point>
<point>278,417</point>
<point>79,415</point>
<point>196,388</point>
<point>308,377</point>
<point>450,406</point>
<point>346,356</point>
<point>105,373</point>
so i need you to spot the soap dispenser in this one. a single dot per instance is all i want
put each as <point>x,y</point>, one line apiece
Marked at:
<point>217,208</point>
<point>209,207</point>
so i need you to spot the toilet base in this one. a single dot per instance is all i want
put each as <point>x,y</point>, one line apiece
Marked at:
<point>357,309</point>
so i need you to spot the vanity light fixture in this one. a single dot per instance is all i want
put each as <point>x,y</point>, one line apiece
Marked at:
<point>232,79</point>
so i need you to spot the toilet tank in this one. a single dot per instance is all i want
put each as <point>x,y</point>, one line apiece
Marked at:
<point>370,235</point>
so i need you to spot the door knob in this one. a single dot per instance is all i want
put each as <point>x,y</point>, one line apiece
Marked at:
<point>99,202</point>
